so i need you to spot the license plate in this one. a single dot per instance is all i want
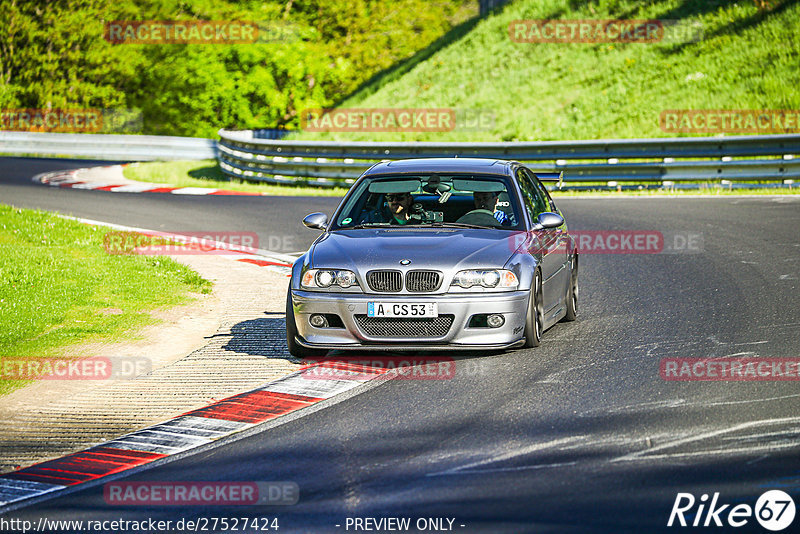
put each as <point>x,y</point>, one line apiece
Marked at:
<point>402,309</point>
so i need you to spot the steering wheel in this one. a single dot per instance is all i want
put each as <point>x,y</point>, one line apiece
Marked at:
<point>479,217</point>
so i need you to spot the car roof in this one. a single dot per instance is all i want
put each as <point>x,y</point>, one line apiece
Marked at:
<point>443,165</point>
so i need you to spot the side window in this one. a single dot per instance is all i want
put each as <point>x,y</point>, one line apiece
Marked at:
<point>548,201</point>
<point>528,194</point>
<point>534,196</point>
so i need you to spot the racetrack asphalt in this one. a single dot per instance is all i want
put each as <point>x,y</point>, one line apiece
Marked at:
<point>578,435</point>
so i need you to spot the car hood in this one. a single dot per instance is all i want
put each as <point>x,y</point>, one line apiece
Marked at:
<point>442,249</point>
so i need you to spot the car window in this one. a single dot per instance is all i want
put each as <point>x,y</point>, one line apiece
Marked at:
<point>481,200</point>
<point>535,202</point>
<point>541,198</point>
<point>548,203</point>
<point>528,194</point>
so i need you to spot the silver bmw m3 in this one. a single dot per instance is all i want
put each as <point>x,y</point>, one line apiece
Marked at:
<point>434,254</point>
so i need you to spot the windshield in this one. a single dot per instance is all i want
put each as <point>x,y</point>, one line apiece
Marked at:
<point>431,200</point>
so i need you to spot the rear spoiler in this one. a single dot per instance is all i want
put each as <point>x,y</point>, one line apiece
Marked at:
<point>551,177</point>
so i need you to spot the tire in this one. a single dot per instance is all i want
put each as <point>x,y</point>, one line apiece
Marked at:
<point>572,294</point>
<point>296,350</point>
<point>533,321</point>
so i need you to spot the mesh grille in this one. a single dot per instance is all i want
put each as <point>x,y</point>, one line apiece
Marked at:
<point>423,281</point>
<point>402,327</point>
<point>385,281</point>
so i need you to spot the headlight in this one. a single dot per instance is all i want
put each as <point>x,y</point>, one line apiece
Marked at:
<point>345,278</point>
<point>325,278</point>
<point>490,278</point>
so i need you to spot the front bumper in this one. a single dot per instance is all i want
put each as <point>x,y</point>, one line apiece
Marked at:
<point>512,305</point>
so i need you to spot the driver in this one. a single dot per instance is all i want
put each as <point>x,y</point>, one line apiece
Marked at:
<point>400,205</point>
<point>399,209</point>
<point>488,201</point>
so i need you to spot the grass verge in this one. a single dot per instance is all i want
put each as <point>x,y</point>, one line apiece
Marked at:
<point>59,287</point>
<point>206,173</point>
<point>746,58</point>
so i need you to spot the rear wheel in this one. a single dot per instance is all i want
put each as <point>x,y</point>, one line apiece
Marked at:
<point>295,349</point>
<point>533,321</point>
<point>572,294</point>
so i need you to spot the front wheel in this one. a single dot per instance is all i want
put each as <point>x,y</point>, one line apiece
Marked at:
<point>295,349</point>
<point>533,321</point>
<point>572,294</point>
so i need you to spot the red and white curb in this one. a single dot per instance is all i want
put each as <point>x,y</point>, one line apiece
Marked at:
<point>71,179</point>
<point>197,428</point>
<point>274,261</point>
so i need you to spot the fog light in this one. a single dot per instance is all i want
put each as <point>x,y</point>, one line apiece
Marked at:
<point>318,321</point>
<point>495,320</point>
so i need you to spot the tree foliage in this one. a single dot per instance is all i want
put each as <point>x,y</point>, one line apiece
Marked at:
<point>54,55</point>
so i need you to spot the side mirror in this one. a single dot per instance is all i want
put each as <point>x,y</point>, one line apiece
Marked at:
<point>317,221</point>
<point>548,219</point>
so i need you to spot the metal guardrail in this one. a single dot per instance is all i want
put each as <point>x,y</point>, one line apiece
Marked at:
<point>246,154</point>
<point>114,147</point>
<point>242,155</point>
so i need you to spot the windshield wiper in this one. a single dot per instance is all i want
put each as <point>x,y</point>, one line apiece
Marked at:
<point>420,225</point>
<point>459,225</point>
<point>364,225</point>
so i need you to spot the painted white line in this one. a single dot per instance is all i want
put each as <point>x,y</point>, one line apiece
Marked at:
<point>158,442</point>
<point>200,426</point>
<point>191,190</point>
<point>14,490</point>
<point>133,188</point>
<point>66,182</point>
<point>235,255</point>
<point>262,255</point>
<point>313,383</point>
<point>89,185</point>
<point>234,252</point>
<point>225,247</point>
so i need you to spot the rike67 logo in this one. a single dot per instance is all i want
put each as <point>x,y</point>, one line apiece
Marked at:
<point>774,510</point>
